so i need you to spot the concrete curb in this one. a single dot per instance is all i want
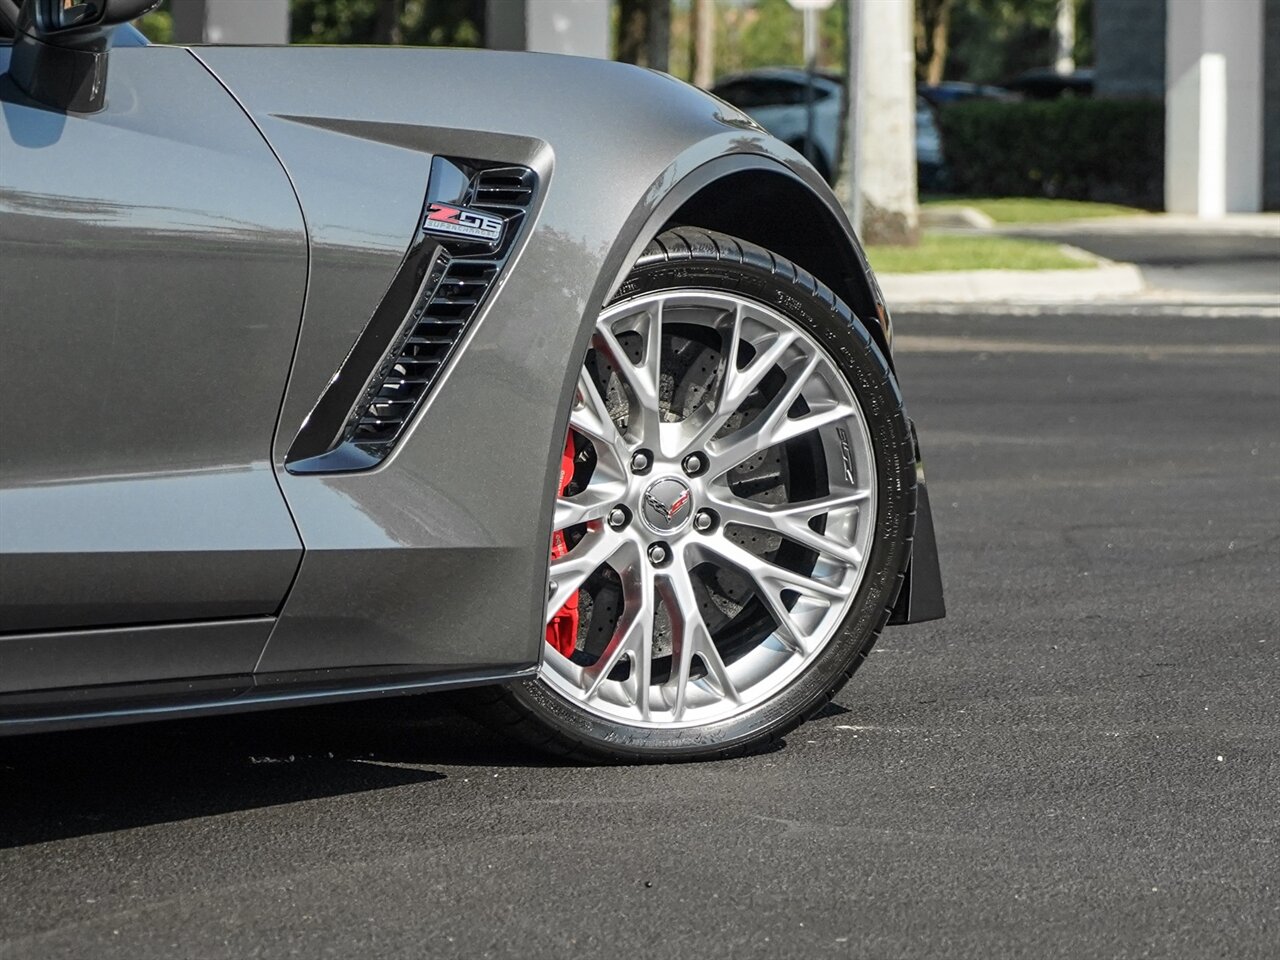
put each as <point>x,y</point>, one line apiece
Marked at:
<point>1028,286</point>
<point>1154,225</point>
<point>963,218</point>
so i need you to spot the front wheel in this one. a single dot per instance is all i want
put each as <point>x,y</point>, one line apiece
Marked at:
<point>736,509</point>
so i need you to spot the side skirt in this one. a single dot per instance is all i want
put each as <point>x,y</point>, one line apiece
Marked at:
<point>69,709</point>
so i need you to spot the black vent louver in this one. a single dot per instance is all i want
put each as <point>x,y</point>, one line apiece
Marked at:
<point>449,278</point>
<point>441,316</point>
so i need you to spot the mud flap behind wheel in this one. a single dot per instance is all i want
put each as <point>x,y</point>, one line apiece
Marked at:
<point>921,596</point>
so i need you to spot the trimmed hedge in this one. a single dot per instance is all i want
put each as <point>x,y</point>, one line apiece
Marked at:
<point>1110,151</point>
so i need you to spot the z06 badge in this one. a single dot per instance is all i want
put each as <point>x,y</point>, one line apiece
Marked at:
<point>462,222</point>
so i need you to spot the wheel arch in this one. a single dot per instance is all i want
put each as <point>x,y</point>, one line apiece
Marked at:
<point>821,161</point>
<point>762,201</point>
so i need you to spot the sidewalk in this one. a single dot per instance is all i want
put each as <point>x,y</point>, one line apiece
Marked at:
<point>1160,258</point>
<point>1159,224</point>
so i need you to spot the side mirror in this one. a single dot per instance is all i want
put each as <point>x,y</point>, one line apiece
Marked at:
<point>60,49</point>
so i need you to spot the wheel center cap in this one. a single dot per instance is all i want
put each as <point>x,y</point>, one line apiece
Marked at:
<point>666,505</point>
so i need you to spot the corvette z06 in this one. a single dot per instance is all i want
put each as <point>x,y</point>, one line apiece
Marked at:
<point>337,373</point>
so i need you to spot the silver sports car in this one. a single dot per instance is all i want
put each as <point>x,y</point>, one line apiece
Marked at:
<point>336,373</point>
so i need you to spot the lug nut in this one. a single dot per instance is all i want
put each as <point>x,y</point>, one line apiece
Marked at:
<point>694,464</point>
<point>639,461</point>
<point>703,521</point>
<point>617,518</point>
<point>657,554</point>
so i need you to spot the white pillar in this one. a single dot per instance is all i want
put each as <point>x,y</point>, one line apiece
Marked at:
<point>1213,107</point>
<point>576,27</point>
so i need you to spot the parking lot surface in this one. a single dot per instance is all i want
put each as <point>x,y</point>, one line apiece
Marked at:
<point>1082,760</point>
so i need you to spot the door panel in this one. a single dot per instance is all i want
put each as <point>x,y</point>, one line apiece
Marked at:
<point>152,271</point>
<point>181,546</point>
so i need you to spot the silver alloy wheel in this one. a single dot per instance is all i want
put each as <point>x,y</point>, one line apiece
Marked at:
<point>661,503</point>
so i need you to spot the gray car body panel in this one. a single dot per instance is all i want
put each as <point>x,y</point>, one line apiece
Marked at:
<point>398,558</point>
<point>154,263</point>
<point>430,569</point>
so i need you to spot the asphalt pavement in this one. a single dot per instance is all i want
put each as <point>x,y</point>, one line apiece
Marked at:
<point>1083,760</point>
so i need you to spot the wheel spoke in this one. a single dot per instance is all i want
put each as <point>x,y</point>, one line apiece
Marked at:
<point>632,637</point>
<point>771,581</point>
<point>808,509</point>
<point>593,503</point>
<point>791,520</point>
<point>690,638</point>
<point>590,417</point>
<point>598,546</point>
<point>620,644</point>
<point>819,415</point>
<point>640,680</point>
<point>642,379</point>
<point>773,426</point>
<point>717,673</point>
<point>687,625</point>
<point>736,385</point>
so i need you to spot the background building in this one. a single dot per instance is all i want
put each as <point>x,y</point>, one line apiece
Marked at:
<point>1214,63</point>
<point>1217,64</point>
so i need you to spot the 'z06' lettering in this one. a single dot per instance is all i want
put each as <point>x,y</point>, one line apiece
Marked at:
<point>463,222</point>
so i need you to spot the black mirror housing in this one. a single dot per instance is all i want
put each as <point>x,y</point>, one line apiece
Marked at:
<point>60,49</point>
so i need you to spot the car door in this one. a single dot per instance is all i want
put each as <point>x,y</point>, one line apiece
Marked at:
<point>153,266</point>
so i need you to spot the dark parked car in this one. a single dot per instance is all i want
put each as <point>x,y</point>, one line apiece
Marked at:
<point>777,99</point>
<point>341,373</point>
<point>954,91</point>
<point>1045,83</point>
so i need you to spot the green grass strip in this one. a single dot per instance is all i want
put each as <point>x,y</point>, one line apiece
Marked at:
<point>956,251</point>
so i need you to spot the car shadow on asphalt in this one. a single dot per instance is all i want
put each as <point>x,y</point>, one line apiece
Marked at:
<point>61,785</point>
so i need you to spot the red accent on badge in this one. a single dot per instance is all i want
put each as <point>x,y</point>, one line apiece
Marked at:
<point>680,502</point>
<point>447,214</point>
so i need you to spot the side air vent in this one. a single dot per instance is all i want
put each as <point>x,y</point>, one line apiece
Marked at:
<point>511,187</point>
<point>452,266</point>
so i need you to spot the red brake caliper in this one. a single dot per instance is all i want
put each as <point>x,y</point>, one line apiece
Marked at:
<point>562,631</point>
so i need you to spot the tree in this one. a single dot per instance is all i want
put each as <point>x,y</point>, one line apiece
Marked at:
<point>644,33</point>
<point>157,26</point>
<point>386,26</point>
<point>932,28</point>
<point>451,23</point>
<point>768,33</point>
<point>773,35</point>
<point>703,42</point>
<point>992,41</point>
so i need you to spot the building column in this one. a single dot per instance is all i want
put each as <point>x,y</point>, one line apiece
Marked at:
<point>1213,107</point>
<point>230,21</point>
<point>576,27</point>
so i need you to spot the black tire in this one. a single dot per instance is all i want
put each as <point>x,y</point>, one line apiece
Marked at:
<point>693,258</point>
